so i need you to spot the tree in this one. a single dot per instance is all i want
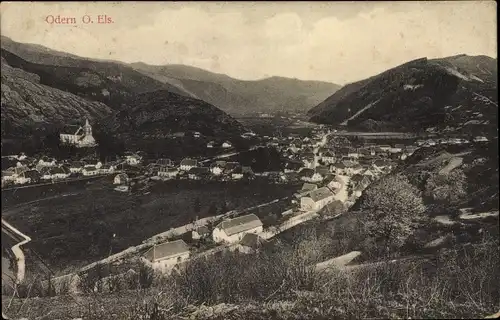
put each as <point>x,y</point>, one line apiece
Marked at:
<point>447,189</point>
<point>393,207</point>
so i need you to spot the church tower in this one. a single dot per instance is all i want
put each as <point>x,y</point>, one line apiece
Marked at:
<point>87,129</point>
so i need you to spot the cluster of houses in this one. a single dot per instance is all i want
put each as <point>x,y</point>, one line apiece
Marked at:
<point>26,170</point>
<point>192,169</point>
<point>241,232</point>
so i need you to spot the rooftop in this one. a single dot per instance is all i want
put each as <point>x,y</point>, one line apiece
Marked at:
<point>320,194</point>
<point>240,224</point>
<point>166,250</point>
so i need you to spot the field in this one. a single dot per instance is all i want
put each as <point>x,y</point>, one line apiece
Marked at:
<point>96,221</point>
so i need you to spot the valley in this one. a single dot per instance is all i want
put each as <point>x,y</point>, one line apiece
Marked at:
<point>182,171</point>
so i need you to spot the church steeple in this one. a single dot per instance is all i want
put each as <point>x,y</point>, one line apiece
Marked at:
<point>87,129</point>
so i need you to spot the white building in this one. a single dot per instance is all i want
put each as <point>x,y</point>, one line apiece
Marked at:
<point>328,157</point>
<point>79,136</point>
<point>165,256</point>
<point>227,144</point>
<point>133,159</point>
<point>107,169</point>
<point>187,164</point>
<point>47,162</point>
<point>168,172</point>
<point>233,230</point>
<point>93,163</point>
<point>90,171</point>
<point>316,200</point>
<point>218,167</point>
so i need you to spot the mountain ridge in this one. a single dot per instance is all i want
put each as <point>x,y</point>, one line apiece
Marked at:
<point>435,94</point>
<point>241,96</point>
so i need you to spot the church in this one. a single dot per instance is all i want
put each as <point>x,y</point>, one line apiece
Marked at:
<point>78,136</point>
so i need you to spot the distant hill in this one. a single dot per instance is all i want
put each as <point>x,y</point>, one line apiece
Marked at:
<point>239,96</point>
<point>231,95</point>
<point>458,92</point>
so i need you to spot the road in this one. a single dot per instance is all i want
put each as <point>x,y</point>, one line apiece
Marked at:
<point>18,253</point>
<point>319,145</point>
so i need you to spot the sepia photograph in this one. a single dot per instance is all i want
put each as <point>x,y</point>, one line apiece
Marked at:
<point>249,160</point>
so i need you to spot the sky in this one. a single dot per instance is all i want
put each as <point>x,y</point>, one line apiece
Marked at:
<point>339,42</point>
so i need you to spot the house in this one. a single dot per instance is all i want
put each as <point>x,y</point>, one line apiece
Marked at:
<point>198,173</point>
<point>233,230</point>
<point>328,157</point>
<point>20,177</point>
<point>250,243</point>
<point>211,144</point>
<point>316,200</point>
<point>310,175</point>
<point>55,173</point>
<point>385,148</point>
<point>167,172</point>
<point>47,162</point>
<point>121,178</point>
<point>78,136</point>
<point>322,170</point>
<point>76,166</point>
<point>217,168</point>
<point>187,164</point>
<point>333,183</point>
<point>307,158</point>
<point>292,166</point>
<point>196,134</point>
<point>165,256</point>
<point>306,189</point>
<point>480,139</point>
<point>90,171</point>
<point>359,182</point>
<point>397,148</point>
<point>21,156</point>
<point>200,233</point>
<point>107,169</point>
<point>227,144</point>
<point>237,173</point>
<point>370,174</point>
<point>164,163</point>
<point>93,163</point>
<point>353,153</point>
<point>133,159</point>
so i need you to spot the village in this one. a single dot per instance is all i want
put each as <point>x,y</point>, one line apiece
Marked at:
<point>331,169</point>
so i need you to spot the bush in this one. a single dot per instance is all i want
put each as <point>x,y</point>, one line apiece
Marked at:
<point>232,277</point>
